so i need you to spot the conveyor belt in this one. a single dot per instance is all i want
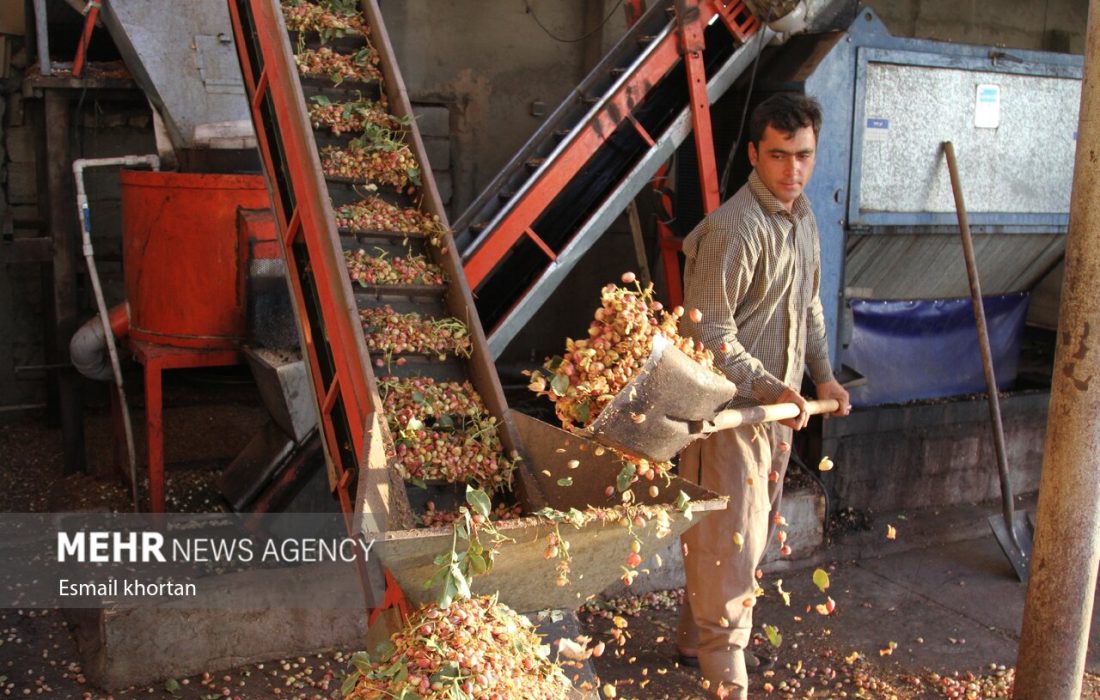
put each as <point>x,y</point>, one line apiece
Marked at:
<point>592,156</point>
<point>383,225</point>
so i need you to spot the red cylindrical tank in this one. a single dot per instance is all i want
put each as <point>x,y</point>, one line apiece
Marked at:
<point>184,263</point>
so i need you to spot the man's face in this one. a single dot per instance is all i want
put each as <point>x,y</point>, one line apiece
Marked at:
<point>784,162</point>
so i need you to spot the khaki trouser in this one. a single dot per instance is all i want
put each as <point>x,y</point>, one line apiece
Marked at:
<point>721,575</point>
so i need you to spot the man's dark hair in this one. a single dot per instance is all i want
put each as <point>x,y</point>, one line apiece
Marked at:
<point>784,112</point>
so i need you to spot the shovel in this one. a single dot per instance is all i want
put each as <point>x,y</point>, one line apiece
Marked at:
<point>1012,529</point>
<point>673,400</point>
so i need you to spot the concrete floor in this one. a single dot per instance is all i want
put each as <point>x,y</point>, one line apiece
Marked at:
<point>949,605</point>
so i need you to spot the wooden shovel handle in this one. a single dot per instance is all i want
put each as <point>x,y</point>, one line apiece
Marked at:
<point>751,415</point>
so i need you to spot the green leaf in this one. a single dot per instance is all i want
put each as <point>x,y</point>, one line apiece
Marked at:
<point>683,503</point>
<point>415,424</point>
<point>576,518</point>
<point>321,100</point>
<point>821,579</point>
<point>437,578</point>
<point>626,476</point>
<point>445,422</point>
<point>462,587</point>
<point>774,636</point>
<point>567,481</point>
<point>478,565</point>
<point>361,661</point>
<point>383,650</point>
<point>479,501</point>
<point>447,595</point>
<point>449,672</point>
<point>392,670</point>
<point>559,384</point>
<point>349,684</point>
<point>171,685</point>
<point>583,412</point>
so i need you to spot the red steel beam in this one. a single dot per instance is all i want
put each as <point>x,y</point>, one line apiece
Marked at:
<point>309,222</point>
<point>694,15</point>
<point>691,34</point>
<point>569,162</point>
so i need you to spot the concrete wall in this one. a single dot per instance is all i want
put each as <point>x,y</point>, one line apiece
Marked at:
<point>933,452</point>
<point>1046,25</point>
<point>493,65</point>
<point>103,128</point>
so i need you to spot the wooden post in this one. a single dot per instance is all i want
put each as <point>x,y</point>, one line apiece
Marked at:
<point>62,309</point>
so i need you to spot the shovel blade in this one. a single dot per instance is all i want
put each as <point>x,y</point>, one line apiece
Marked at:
<point>1015,541</point>
<point>650,417</point>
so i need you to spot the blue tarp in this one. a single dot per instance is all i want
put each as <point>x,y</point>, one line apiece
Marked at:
<point>929,349</point>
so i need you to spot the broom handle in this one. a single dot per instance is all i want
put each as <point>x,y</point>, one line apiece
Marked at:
<point>751,415</point>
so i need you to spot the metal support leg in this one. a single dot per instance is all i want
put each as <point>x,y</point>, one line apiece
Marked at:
<point>154,428</point>
<point>119,458</point>
<point>691,31</point>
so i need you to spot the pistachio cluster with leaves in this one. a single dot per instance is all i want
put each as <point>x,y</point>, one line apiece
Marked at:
<point>331,19</point>
<point>393,333</point>
<point>376,214</point>
<point>379,267</point>
<point>361,66</point>
<point>593,370</point>
<point>461,647</point>
<point>443,431</point>
<point>473,649</point>
<point>352,116</point>
<point>379,156</point>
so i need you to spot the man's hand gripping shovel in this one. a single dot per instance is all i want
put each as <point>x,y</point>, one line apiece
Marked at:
<point>673,401</point>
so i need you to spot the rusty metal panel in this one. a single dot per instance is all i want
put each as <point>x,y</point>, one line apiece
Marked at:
<point>930,266</point>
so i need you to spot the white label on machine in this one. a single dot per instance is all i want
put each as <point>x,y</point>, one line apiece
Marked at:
<point>877,129</point>
<point>987,107</point>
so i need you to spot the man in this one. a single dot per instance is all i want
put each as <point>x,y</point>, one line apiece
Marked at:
<point>753,271</point>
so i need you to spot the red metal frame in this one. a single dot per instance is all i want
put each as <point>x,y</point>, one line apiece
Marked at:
<point>308,222</point>
<point>567,164</point>
<point>155,359</point>
<point>691,35</point>
<point>687,43</point>
<point>669,242</point>
<point>85,37</point>
<point>344,399</point>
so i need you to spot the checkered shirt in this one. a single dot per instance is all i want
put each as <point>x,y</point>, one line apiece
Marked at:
<point>753,269</point>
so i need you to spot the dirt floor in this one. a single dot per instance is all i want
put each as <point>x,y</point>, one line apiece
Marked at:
<point>39,655</point>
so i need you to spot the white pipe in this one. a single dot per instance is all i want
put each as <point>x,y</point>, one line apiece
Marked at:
<point>88,350</point>
<point>79,166</point>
